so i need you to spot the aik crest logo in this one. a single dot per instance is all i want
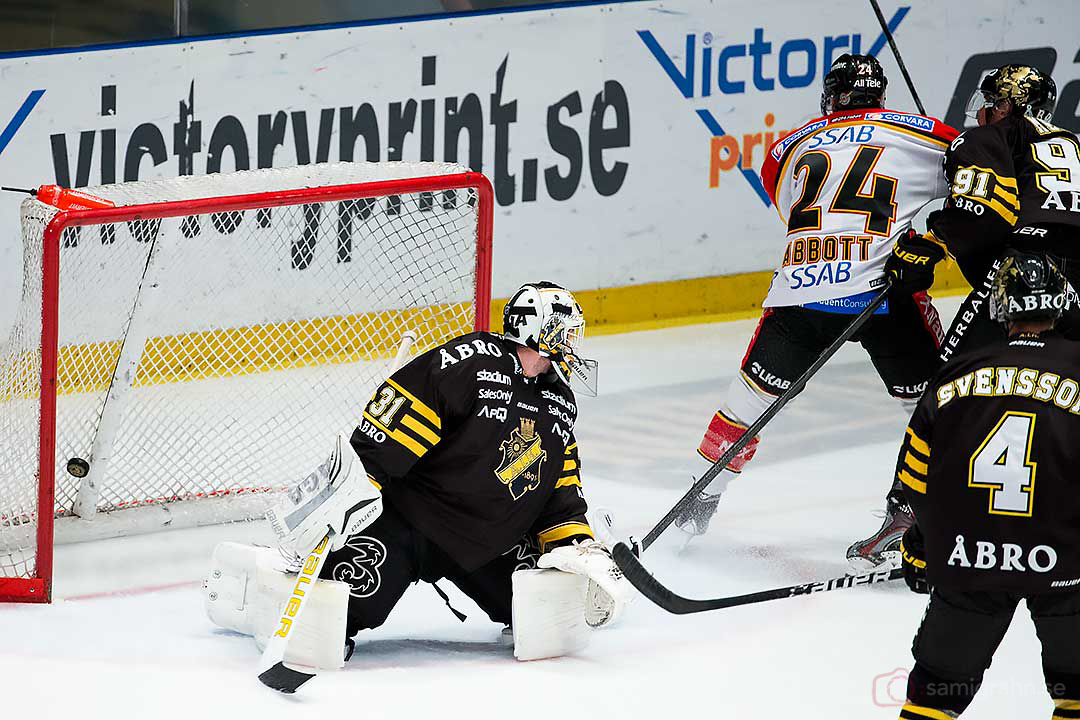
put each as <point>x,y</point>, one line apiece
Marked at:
<point>523,457</point>
<point>361,570</point>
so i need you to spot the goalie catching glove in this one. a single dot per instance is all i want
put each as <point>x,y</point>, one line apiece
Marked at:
<point>337,497</point>
<point>608,590</point>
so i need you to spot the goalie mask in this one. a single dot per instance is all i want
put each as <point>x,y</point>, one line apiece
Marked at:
<point>546,317</point>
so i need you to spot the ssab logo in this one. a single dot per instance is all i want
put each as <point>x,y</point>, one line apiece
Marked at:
<point>702,70</point>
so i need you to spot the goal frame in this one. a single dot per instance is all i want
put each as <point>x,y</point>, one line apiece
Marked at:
<point>38,587</point>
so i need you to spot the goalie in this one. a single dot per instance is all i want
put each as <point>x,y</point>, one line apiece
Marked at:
<point>464,467</point>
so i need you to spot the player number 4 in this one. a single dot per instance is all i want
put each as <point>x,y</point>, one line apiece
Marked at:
<point>1003,465</point>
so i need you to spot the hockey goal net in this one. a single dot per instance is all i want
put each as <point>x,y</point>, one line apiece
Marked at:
<point>181,356</point>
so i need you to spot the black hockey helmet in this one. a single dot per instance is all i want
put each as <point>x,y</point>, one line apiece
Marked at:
<point>853,81</point>
<point>1027,287</point>
<point>1028,89</point>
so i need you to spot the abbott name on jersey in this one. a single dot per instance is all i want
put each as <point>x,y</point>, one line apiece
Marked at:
<point>845,186</point>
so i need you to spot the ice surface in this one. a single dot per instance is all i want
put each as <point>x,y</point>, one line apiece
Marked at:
<point>127,636</point>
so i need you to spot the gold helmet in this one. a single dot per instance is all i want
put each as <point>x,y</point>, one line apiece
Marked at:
<point>1028,287</point>
<point>1029,90</point>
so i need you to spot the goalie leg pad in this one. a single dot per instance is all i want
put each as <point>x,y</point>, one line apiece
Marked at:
<point>549,614</point>
<point>246,589</point>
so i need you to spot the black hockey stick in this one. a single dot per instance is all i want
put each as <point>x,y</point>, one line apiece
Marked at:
<point>653,589</point>
<point>896,53</point>
<point>770,412</point>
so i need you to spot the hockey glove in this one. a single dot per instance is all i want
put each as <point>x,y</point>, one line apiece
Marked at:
<point>337,496</point>
<point>608,589</point>
<point>913,561</point>
<point>912,261</point>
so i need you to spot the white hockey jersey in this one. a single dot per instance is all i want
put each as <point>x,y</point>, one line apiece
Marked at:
<point>846,185</point>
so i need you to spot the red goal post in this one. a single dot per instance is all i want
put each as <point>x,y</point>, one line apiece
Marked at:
<point>404,253</point>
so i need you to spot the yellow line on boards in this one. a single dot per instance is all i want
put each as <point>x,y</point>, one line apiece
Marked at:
<point>696,301</point>
<point>228,352</point>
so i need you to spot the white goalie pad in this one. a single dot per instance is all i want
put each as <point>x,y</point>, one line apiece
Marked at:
<point>548,613</point>
<point>246,589</point>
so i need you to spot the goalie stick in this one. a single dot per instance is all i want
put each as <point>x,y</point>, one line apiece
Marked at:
<point>770,412</point>
<point>274,673</point>
<point>653,589</point>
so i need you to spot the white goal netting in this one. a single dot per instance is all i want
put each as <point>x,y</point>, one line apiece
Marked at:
<point>209,357</point>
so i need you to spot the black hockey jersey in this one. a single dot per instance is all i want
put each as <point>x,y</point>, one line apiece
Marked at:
<point>991,466</point>
<point>473,453</point>
<point>1017,172</point>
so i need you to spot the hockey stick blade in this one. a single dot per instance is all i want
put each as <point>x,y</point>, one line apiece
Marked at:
<point>653,589</point>
<point>284,679</point>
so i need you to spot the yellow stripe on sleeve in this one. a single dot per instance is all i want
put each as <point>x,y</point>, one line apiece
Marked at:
<point>422,430</point>
<point>1007,196</point>
<point>570,447</point>
<point>1006,214</point>
<point>569,465</point>
<point>915,464</point>
<point>918,444</point>
<point>418,405</point>
<point>918,486</point>
<point>402,438</point>
<point>568,480</point>
<point>561,532</point>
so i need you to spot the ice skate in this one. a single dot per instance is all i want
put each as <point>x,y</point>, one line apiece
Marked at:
<point>881,551</point>
<point>694,518</point>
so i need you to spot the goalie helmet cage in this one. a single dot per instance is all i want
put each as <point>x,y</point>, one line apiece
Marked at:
<point>198,346</point>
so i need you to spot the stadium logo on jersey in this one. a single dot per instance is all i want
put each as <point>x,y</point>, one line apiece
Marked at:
<point>523,456</point>
<point>361,571</point>
<point>492,376</point>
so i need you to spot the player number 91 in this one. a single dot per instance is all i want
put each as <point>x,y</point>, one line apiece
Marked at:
<point>969,181</point>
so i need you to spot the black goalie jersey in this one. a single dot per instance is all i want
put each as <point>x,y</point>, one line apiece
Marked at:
<point>991,466</point>
<point>474,454</point>
<point>1017,172</point>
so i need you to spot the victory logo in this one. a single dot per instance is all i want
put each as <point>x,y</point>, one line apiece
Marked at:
<point>523,457</point>
<point>361,571</point>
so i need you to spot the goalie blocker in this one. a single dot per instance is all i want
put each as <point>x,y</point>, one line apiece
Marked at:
<point>472,451</point>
